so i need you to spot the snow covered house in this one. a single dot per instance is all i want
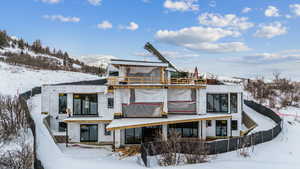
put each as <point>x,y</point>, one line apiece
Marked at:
<point>138,100</point>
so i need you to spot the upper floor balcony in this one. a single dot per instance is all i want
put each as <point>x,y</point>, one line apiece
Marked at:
<point>128,72</point>
<point>126,80</point>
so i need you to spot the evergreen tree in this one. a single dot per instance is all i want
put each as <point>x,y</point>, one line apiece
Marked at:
<point>59,54</point>
<point>3,39</point>
<point>37,46</point>
<point>47,51</point>
<point>54,51</point>
<point>21,44</point>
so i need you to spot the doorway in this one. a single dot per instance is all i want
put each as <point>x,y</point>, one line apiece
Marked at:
<point>151,133</point>
<point>88,133</point>
<point>221,128</point>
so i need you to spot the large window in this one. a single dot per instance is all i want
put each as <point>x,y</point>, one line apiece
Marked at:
<point>217,103</point>
<point>233,103</point>
<point>89,133</point>
<point>85,104</point>
<point>185,129</point>
<point>62,103</point>
<point>133,136</point>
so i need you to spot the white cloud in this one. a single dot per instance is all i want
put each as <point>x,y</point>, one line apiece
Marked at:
<point>146,1</point>
<point>62,18</point>
<point>171,54</point>
<point>272,11</point>
<point>212,4</point>
<point>267,57</point>
<point>51,1</point>
<point>181,5</point>
<point>132,26</point>
<point>288,16</point>
<point>270,30</point>
<point>295,8</point>
<point>105,25</point>
<point>246,10</point>
<point>201,39</point>
<point>194,34</point>
<point>95,2</point>
<point>219,47</point>
<point>229,20</point>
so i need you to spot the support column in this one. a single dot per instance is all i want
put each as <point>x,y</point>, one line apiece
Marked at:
<point>201,101</point>
<point>202,127</point>
<point>229,131</point>
<point>165,131</point>
<point>70,102</point>
<point>165,106</point>
<point>117,137</point>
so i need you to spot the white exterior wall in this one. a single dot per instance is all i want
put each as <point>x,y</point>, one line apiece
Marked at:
<point>74,132</point>
<point>202,129</point>
<point>50,101</point>
<point>221,89</point>
<point>201,101</point>
<point>165,100</point>
<point>101,134</point>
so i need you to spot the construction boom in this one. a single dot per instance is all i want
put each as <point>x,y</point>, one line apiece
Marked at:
<point>150,48</point>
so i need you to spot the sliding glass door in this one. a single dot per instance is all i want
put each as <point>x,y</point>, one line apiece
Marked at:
<point>89,133</point>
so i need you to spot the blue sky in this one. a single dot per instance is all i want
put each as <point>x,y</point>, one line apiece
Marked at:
<point>232,37</point>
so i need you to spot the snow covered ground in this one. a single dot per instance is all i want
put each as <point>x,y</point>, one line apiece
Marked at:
<point>15,79</point>
<point>263,122</point>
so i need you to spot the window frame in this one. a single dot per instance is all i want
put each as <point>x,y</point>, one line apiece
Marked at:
<point>136,139</point>
<point>236,125</point>
<point>89,133</point>
<point>221,127</point>
<point>60,104</point>
<point>182,128</point>
<point>232,106</point>
<point>220,97</point>
<point>81,96</point>
<point>110,100</point>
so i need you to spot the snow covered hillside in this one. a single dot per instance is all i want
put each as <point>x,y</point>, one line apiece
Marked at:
<point>15,80</point>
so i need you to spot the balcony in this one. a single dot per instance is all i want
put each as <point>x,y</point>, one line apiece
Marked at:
<point>154,80</point>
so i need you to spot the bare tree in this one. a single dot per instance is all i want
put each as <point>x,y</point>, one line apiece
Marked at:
<point>12,117</point>
<point>170,149</point>
<point>21,158</point>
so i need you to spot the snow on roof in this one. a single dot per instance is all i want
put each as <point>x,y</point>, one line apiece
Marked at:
<point>172,119</point>
<point>85,82</point>
<point>86,119</point>
<point>137,63</point>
